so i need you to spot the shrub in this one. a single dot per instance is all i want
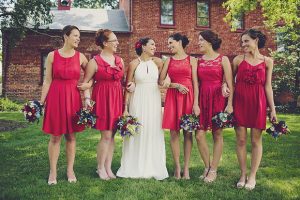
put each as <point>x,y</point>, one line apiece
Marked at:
<point>8,105</point>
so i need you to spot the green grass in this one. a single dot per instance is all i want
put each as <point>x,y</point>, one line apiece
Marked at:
<point>24,169</point>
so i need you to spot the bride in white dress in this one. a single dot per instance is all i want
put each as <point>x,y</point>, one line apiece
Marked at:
<point>143,155</point>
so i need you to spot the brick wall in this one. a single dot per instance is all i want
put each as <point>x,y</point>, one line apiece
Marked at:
<point>23,66</point>
<point>23,72</point>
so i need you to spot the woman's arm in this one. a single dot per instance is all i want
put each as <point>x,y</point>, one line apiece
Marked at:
<point>268,88</point>
<point>90,70</point>
<point>229,81</point>
<point>48,77</point>
<point>83,63</point>
<point>129,78</point>
<point>196,108</point>
<point>163,72</point>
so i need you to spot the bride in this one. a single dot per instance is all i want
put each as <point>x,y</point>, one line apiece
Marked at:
<point>143,155</point>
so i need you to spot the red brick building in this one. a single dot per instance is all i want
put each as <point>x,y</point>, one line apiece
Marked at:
<point>23,65</point>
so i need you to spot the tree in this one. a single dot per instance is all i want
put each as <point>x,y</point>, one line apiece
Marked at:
<point>112,4</point>
<point>23,14</point>
<point>276,12</point>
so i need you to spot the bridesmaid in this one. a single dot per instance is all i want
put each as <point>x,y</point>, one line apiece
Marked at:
<point>181,98</point>
<point>253,90</point>
<point>107,71</point>
<point>212,69</point>
<point>62,100</point>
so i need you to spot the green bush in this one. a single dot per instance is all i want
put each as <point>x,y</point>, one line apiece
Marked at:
<point>8,105</point>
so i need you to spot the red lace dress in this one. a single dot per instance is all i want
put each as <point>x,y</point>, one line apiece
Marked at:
<point>63,99</point>
<point>249,102</point>
<point>211,101</point>
<point>177,104</point>
<point>108,93</point>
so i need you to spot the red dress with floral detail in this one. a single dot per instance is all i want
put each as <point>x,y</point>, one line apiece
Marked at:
<point>63,99</point>
<point>177,104</point>
<point>107,93</point>
<point>211,101</point>
<point>249,102</point>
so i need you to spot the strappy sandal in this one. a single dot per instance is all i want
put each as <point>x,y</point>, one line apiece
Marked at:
<point>213,178</point>
<point>241,184</point>
<point>204,173</point>
<point>102,178</point>
<point>250,186</point>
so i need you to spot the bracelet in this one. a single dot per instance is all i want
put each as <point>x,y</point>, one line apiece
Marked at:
<point>177,86</point>
<point>87,98</point>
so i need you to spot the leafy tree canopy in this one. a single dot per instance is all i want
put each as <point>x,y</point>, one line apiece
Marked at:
<point>280,15</point>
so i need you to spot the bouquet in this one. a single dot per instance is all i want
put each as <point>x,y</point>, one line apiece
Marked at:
<point>127,126</point>
<point>32,111</point>
<point>223,120</point>
<point>277,129</point>
<point>86,116</point>
<point>189,122</point>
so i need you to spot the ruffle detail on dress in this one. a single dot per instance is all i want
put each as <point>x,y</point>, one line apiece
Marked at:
<point>115,71</point>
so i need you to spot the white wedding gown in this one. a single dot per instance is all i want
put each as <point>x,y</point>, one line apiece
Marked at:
<point>143,155</point>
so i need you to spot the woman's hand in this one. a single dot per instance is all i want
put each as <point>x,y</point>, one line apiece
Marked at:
<point>125,113</point>
<point>273,117</point>
<point>229,109</point>
<point>182,89</point>
<point>130,87</point>
<point>196,110</point>
<point>87,102</point>
<point>83,86</point>
<point>166,83</point>
<point>225,90</point>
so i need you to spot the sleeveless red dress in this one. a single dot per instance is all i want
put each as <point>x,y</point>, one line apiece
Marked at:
<point>249,102</point>
<point>107,93</point>
<point>211,101</point>
<point>177,104</point>
<point>63,99</point>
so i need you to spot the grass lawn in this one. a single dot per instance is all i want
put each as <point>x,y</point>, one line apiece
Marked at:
<point>24,169</point>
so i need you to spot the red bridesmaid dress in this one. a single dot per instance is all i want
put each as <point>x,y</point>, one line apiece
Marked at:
<point>63,99</point>
<point>249,102</point>
<point>211,101</point>
<point>108,93</point>
<point>177,104</point>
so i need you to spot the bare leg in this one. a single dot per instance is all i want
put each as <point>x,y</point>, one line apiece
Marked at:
<point>70,151</point>
<point>203,150</point>
<point>256,142</point>
<point>241,151</point>
<point>174,140</point>
<point>109,158</point>
<point>102,153</point>
<point>217,153</point>
<point>188,144</point>
<point>53,152</point>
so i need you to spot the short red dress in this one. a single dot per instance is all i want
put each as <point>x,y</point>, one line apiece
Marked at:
<point>63,99</point>
<point>177,104</point>
<point>249,102</point>
<point>107,93</point>
<point>211,101</point>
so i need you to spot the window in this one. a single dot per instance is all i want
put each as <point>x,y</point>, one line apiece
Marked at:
<point>166,12</point>
<point>203,13</point>
<point>239,23</point>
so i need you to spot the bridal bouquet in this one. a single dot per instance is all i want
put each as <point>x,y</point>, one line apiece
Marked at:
<point>127,126</point>
<point>86,116</point>
<point>277,129</point>
<point>223,120</point>
<point>189,122</point>
<point>32,111</point>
